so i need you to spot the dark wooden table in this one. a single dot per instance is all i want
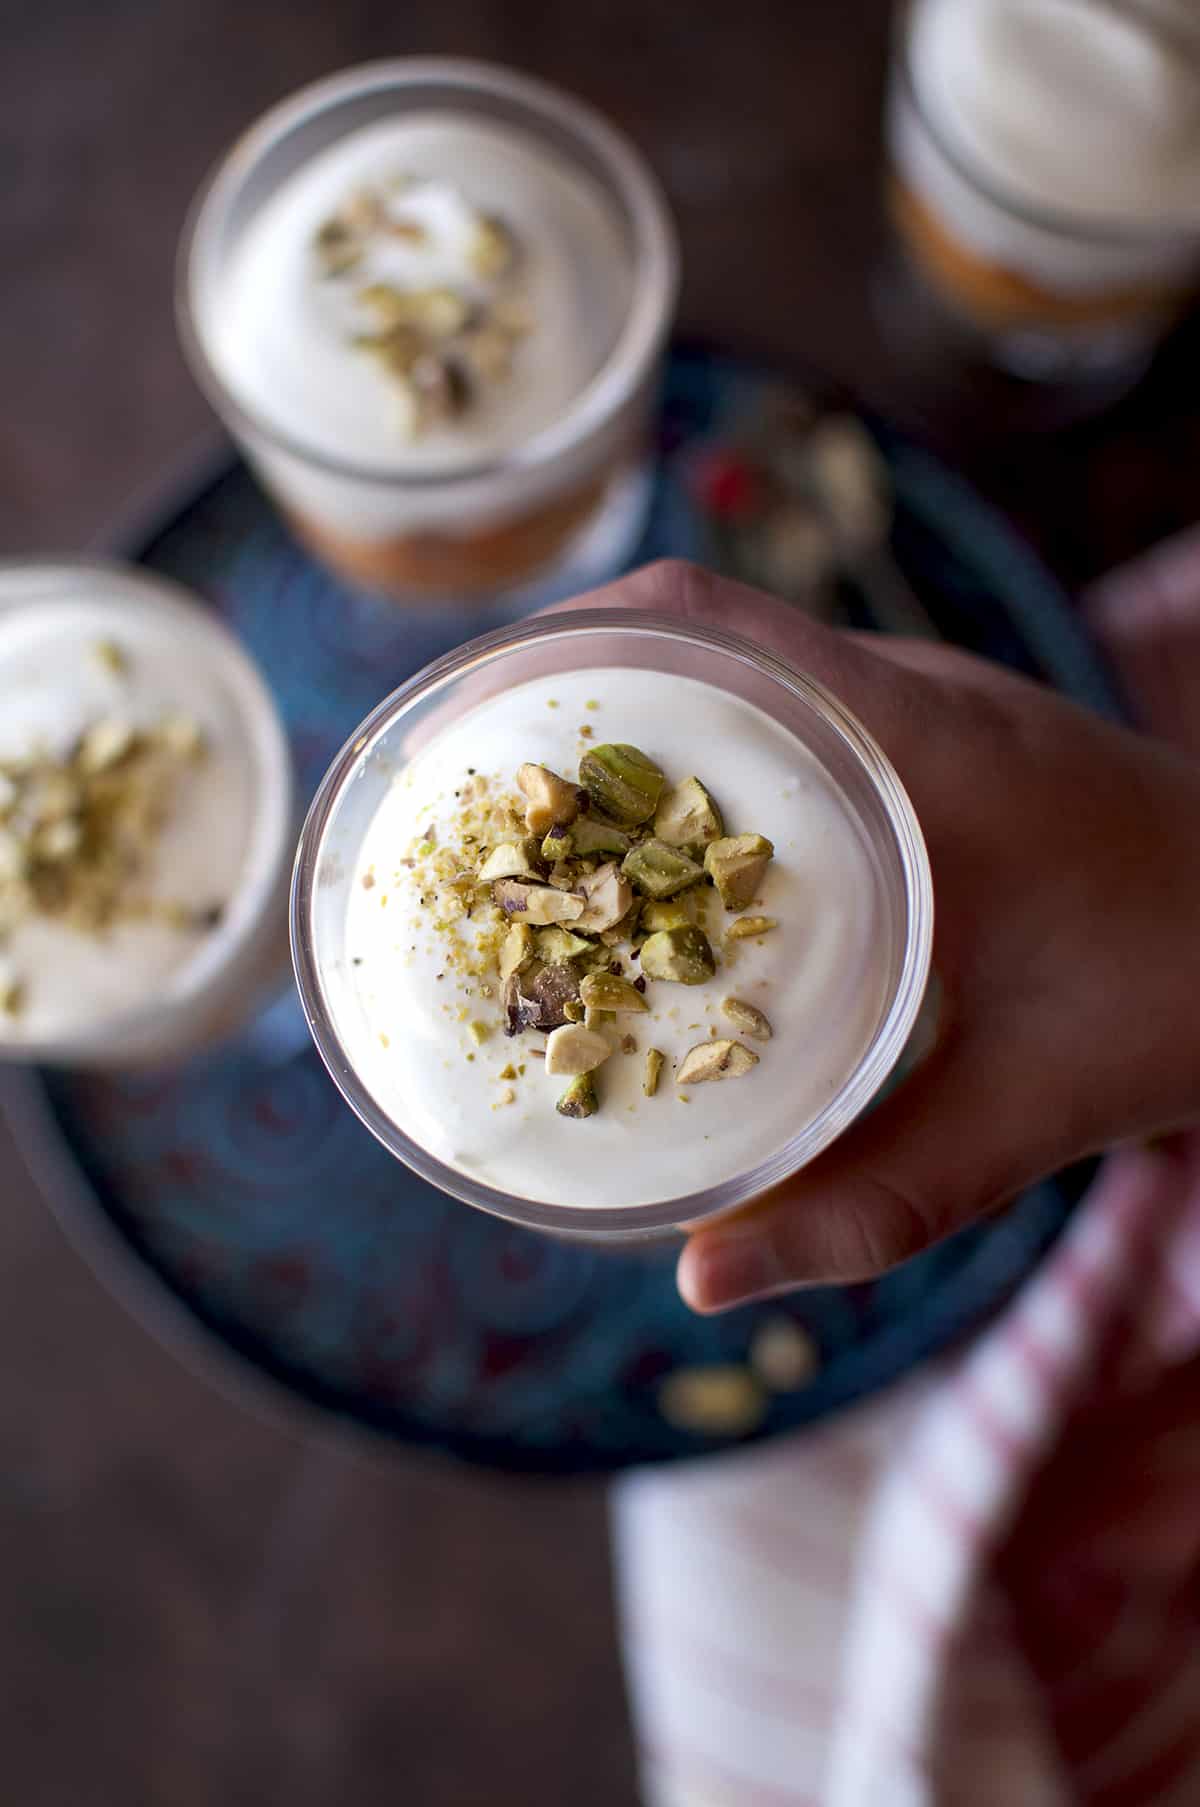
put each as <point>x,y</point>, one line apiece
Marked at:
<point>196,1606</point>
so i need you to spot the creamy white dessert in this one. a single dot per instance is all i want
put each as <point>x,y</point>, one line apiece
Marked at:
<point>749,1055</point>
<point>1079,111</point>
<point>144,798</point>
<point>512,265</point>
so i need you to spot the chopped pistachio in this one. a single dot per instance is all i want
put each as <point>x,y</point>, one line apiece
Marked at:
<point>721,1400</point>
<point>337,247</point>
<point>549,799</point>
<point>493,249</point>
<point>682,955</point>
<point>605,991</point>
<point>12,992</point>
<point>579,1097</point>
<point>576,1049</point>
<point>539,904</point>
<point>737,866</point>
<point>440,387</point>
<point>555,944</point>
<point>511,859</point>
<point>586,835</point>
<point>748,1018</point>
<point>784,1355</point>
<point>654,1066</point>
<point>57,840</point>
<point>440,312</point>
<point>747,926</point>
<point>687,816</point>
<point>105,744</point>
<point>658,870</point>
<point>14,856</point>
<point>516,950</point>
<point>607,897</point>
<point>574,1011</point>
<point>621,782</point>
<point>479,1032</point>
<point>109,655</point>
<point>674,913</point>
<point>629,1044</point>
<point>715,1060</point>
<point>539,998</point>
<point>410,231</point>
<point>507,1071</point>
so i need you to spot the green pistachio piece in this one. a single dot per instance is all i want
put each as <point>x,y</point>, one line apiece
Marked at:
<point>682,955</point>
<point>540,904</point>
<point>539,998</point>
<point>687,816</point>
<point>664,915</point>
<point>722,1400</point>
<point>608,897</point>
<point>654,1067</point>
<point>574,1048</point>
<point>715,1060</point>
<point>549,799</point>
<point>579,1098</point>
<point>621,782</point>
<point>585,836</point>
<point>516,950</point>
<point>605,991</point>
<point>737,866</point>
<point>511,859</point>
<point>555,945</point>
<point>659,870</point>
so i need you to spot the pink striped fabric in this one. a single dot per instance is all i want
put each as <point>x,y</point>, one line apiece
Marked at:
<point>983,1587</point>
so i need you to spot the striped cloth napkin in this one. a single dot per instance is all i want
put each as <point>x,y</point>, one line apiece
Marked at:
<point>983,1587</point>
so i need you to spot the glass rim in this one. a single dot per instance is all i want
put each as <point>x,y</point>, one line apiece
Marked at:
<point>655,260</point>
<point>1062,222</point>
<point>267,851</point>
<point>875,1064</point>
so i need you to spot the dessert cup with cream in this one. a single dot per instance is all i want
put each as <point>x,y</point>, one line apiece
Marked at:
<point>429,299</point>
<point>145,819</point>
<point>773,1035</point>
<point>1045,175</point>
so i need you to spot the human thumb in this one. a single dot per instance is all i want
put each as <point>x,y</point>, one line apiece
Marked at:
<point>948,1145</point>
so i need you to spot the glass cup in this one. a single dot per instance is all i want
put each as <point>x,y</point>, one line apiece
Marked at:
<point>552,647</point>
<point>567,502</point>
<point>999,304</point>
<point>235,964</point>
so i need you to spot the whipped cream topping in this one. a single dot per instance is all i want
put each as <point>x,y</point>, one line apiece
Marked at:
<point>288,328</point>
<point>80,655</point>
<point>1076,107</point>
<point>1072,109</point>
<point>405,1015</point>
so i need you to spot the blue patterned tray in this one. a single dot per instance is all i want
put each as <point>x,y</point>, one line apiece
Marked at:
<point>240,1206</point>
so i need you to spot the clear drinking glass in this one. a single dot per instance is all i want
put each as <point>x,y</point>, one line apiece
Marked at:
<point>375,757</point>
<point>571,499</point>
<point>985,272</point>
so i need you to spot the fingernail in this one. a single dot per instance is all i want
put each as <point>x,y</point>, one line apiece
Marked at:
<point>716,1271</point>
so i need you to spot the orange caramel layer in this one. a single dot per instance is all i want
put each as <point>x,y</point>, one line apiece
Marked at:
<point>437,565</point>
<point>996,297</point>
